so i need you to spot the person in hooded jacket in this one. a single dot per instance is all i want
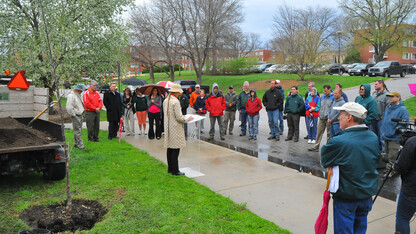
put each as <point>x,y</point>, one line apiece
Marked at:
<point>215,105</point>
<point>369,103</point>
<point>253,107</point>
<point>281,122</point>
<point>200,108</point>
<point>229,115</point>
<point>391,138</point>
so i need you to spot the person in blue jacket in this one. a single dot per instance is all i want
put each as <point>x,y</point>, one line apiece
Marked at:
<point>391,138</point>
<point>353,151</point>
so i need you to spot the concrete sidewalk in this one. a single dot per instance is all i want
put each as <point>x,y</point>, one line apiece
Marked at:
<point>282,195</point>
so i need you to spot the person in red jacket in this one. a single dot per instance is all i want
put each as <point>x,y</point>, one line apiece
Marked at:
<point>93,104</point>
<point>215,105</point>
<point>253,107</point>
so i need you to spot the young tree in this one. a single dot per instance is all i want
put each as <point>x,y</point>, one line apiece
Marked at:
<point>382,23</point>
<point>303,35</point>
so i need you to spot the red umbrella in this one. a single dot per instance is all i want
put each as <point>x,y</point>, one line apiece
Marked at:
<point>121,128</point>
<point>147,89</point>
<point>321,224</point>
<point>166,84</point>
<point>412,88</point>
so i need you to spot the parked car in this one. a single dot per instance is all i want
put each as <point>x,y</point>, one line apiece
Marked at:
<point>335,69</point>
<point>272,69</point>
<point>188,86</point>
<point>360,69</point>
<point>410,69</point>
<point>348,67</point>
<point>387,68</point>
<point>264,67</point>
<point>282,69</point>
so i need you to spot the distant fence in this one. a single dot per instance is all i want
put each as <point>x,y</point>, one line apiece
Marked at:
<point>20,104</point>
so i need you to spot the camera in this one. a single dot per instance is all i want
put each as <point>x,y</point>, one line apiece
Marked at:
<point>406,129</point>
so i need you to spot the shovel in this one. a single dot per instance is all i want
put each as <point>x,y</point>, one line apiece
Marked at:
<point>42,112</point>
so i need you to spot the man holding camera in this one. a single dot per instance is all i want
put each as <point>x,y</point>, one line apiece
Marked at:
<point>396,110</point>
<point>406,167</point>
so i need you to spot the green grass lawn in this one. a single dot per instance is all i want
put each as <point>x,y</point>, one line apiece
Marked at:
<point>410,104</point>
<point>138,192</point>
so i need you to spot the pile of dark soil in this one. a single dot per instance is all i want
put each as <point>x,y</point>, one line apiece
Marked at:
<point>15,134</point>
<point>83,216</point>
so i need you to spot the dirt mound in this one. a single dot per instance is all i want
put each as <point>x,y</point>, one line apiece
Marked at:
<point>265,84</point>
<point>15,134</point>
<point>83,216</point>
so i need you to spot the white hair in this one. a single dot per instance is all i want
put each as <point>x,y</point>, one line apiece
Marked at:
<point>246,83</point>
<point>93,82</point>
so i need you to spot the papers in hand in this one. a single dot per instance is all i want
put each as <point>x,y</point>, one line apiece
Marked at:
<point>334,183</point>
<point>196,118</point>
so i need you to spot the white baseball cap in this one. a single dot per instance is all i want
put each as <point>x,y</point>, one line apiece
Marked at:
<point>277,81</point>
<point>354,109</point>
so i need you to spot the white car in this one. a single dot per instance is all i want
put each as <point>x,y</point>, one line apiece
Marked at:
<point>272,69</point>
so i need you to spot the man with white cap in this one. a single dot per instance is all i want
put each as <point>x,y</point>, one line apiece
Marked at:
<point>353,151</point>
<point>75,108</point>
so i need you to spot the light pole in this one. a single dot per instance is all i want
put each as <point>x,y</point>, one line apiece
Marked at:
<point>339,33</point>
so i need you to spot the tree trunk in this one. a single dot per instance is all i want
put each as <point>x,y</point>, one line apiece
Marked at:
<point>214,61</point>
<point>379,57</point>
<point>172,72</point>
<point>180,69</point>
<point>152,74</point>
<point>198,75</point>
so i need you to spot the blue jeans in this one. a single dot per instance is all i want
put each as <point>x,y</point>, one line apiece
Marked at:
<point>351,217</point>
<point>273,122</point>
<point>281,122</point>
<point>406,208</point>
<point>334,129</point>
<point>243,117</point>
<point>312,131</point>
<point>253,124</point>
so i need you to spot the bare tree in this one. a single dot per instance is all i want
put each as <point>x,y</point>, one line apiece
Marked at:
<point>242,43</point>
<point>303,35</point>
<point>382,23</point>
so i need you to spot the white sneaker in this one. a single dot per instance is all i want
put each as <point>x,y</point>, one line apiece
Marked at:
<point>309,141</point>
<point>313,142</point>
<point>140,133</point>
<point>145,133</point>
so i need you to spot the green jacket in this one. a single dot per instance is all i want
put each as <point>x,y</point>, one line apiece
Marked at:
<point>294,104</point>
<point>354,152</point>
<point>242,100</point>
<point>369,103</point>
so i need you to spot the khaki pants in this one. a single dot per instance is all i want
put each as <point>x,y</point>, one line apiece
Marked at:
<point>392,147</point>
<point>128,122</point>
<point>77,126</point>
<point>229,116</point>
<point>322,126</point>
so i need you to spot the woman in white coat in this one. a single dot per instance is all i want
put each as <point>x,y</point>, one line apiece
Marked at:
<point>174,132</point>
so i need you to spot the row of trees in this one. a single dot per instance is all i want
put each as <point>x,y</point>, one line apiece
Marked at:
<point>197,29</point>
<point>305,35</point>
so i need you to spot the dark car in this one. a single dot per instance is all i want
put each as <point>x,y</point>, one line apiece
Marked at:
<point>410,69</point>
<point>360,69</point>
<point>263,67</point>
<point>336,69</point>
<point>104,88</point>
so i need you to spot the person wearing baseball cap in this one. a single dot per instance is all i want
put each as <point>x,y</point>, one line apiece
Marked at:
<point>194,95</point>
<point>353,151</point>
<point>230,109</point>
<point>391,139</point>
<point>75,108</point>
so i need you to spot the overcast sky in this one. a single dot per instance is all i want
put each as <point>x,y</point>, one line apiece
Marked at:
<point>259,13</point>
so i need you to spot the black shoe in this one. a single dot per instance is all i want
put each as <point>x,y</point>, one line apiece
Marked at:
<point>288,139</point>
<point>81,148</point>
<point>110,138</point>
<point>271,138</point>
<point>242,134</point>
<point>230,133</point>
<point>296,139</point>
<point>178,173</point>
<point>255,137</point>
<point>98,140</point>
<point>277,138</point>
<point>222,138</point>
<point>313,150</point>
<point>211,138</point>
<point>307,137</point>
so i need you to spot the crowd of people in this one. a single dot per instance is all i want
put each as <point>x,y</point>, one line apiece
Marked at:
<point>357,132</point>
